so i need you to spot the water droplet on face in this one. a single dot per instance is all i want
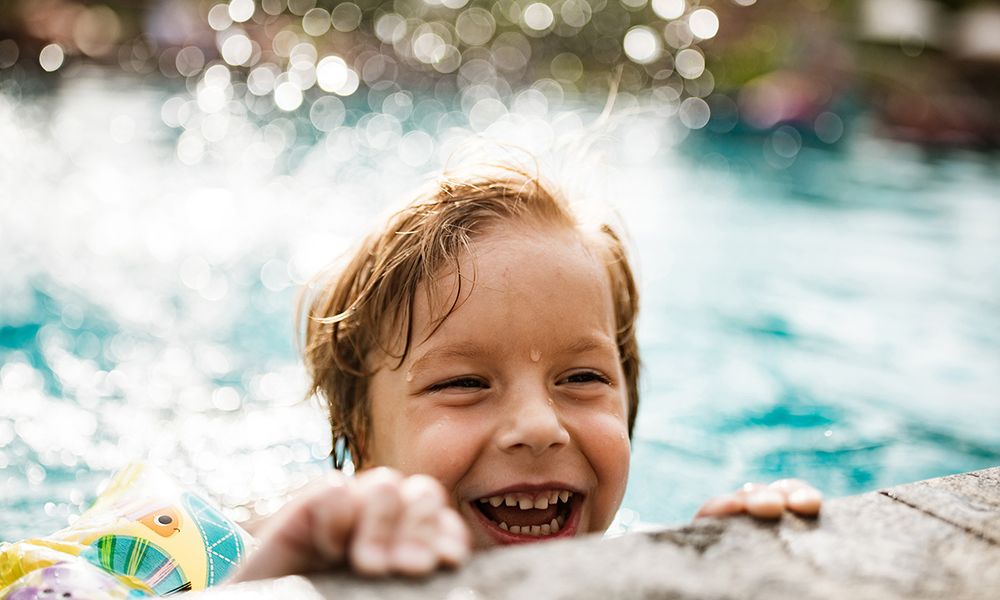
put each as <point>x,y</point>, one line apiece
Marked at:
<point>536,355</point>
<point>409,376</point>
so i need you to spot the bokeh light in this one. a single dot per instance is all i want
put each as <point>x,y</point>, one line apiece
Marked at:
<point>287,94</point>
<point>241,11</point>
<point>316,22</point>
<point>193,163</point>
<point>538,16</point>
<point>9,53</point>
<point>346,16</point>
<point>694,113</point>
<point>704,23</point>
<point>669,9</point>
<point>219,18</point>
<point>642,44</point>
<point>51,57</point>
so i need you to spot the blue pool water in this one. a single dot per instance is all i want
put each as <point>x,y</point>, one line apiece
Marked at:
<point>829,312</point>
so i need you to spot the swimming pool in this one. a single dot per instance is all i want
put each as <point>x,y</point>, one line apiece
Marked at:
<point>831,314</point>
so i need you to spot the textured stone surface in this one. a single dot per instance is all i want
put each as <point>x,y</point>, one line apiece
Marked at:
<point>932,539</point>
<point>969,500</point>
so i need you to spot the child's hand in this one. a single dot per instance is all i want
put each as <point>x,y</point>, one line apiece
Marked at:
<point>377,523</point>
<point>766,501</point>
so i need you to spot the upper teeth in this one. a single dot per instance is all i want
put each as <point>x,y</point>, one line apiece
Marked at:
<point>527,501</point>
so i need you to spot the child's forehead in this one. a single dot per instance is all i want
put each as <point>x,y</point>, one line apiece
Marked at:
<point>518,248</point>
<point>508,271</point>
<point>536,262</point>
<point>510,277</point>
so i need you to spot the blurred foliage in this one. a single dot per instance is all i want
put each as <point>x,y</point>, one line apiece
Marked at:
<point>927,77</point>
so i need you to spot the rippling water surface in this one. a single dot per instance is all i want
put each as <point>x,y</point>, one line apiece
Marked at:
<point>827,313</point>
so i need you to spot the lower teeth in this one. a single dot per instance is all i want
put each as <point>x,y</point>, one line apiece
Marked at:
<point>551,528</point>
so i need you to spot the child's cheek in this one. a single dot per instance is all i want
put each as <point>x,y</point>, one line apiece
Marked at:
<point>609,453</point>
<point>610,450</point>
<point>440,448</point>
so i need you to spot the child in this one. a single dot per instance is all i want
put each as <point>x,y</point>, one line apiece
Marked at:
<point>479,360</point>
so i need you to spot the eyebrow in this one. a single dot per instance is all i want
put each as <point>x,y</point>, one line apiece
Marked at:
<point>471,350</point>
<point>459,350</point>
<point>590,344</point>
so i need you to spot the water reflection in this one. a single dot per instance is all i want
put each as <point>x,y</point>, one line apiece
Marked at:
<point>819,300</point>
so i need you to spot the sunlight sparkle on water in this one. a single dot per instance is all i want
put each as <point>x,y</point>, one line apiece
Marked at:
<point>149,318</point>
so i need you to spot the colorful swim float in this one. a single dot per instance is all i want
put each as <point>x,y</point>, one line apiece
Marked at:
<point>144,536</point>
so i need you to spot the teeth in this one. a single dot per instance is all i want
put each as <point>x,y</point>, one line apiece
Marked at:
<point>550,528</point>
<point>525,501</point>
<point>537,501</point>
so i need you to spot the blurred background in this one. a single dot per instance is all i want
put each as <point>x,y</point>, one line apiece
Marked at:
<point>810,187</point>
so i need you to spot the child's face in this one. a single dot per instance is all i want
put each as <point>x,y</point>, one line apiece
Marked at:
<point>519,396</point>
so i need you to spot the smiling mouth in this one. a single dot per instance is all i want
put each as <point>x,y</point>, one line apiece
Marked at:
<point>529,515</point>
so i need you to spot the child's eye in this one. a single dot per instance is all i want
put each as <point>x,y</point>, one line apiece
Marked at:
<point>587,377</point>
<point>461,383</point>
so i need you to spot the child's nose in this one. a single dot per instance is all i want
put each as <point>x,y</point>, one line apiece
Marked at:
<point>533,423</point>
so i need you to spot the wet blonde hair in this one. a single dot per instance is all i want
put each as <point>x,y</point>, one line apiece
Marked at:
<point>368,304</point>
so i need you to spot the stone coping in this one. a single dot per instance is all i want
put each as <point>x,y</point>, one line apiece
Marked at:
<point>938,538</point>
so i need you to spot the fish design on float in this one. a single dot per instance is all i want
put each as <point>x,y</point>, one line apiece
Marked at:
<point>152,537</point>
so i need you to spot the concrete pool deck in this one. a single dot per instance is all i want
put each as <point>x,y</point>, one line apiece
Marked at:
<point>938,538</point>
